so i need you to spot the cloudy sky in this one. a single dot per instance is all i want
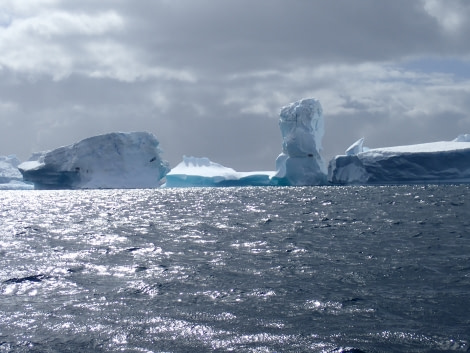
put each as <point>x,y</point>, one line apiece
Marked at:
<point>208,77</point>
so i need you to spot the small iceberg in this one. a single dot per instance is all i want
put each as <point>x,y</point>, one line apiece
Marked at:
<point>201,171</point>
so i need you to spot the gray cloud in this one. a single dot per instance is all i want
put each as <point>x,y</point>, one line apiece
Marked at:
<point>209,77</point>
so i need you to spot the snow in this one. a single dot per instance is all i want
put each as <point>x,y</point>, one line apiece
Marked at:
<point>462,138</point>
<point>433,147</point>
<point>443,161</point>
<point>302,130</point>
<point>201,171</point>
<point>355,148</point>
<point>10,176</point>
<point>114,160</point>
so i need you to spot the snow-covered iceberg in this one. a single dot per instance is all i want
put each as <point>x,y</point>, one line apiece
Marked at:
<point>302,129</point>
<point>194,171</point>
<point>114,160</point>
<point>444,161</point>
<point>10,176</point>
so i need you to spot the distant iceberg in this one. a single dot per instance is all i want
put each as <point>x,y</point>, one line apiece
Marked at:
<point>194,172</point>
<point>114,160</point>
<point>462,138</point>
<point>10,177</point>
<point>445,161</point>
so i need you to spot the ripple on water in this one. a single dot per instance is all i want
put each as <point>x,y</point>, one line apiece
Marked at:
<point>325,269</point>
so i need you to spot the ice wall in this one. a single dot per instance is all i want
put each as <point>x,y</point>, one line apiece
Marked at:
<point>302,129</point>
<point>436,162</point>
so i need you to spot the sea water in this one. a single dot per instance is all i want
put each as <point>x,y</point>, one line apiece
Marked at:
<point>311,269</point>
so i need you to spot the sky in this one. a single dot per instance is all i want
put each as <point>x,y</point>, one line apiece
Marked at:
<point>209,77</point>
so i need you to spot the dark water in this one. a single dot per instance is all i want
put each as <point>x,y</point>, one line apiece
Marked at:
<point>319,269</point>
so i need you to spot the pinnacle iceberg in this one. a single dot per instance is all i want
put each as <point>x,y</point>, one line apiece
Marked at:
<point>302,129</point>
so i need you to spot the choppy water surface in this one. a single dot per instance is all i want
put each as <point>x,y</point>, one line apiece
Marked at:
<point>319,269</point>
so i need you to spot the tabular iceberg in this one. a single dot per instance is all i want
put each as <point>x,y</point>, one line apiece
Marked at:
<point>10,177</point>
<point>445,161</point>
<point>114,160</point>
<point>194,171</point>
<point>302,129</point>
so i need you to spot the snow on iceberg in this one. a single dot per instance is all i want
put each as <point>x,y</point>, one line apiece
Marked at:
<point>10,176</point>
<point>194,171</point>
<point>356,147</point>
<point>462,138</point>
<point>114,160</point>
<point>302,129</point>
<point>445,161</point>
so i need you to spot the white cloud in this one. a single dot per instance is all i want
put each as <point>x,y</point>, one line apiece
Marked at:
<point>49,43</point>
<point>59,44</point>
<point>110,59</point>
<point>200,76</point>
<point>451,15</point>
<point>8,107</point>
<point>59,23</point>
<point>26,8</point>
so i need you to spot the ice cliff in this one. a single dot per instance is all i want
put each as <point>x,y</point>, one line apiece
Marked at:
<point>302,129</point>
<point>114,160</point>
<point>445,161</point>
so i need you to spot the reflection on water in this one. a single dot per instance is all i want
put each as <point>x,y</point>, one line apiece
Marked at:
<point>325,269</point>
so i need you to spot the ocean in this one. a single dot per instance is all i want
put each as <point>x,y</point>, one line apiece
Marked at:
<point>256,269</point>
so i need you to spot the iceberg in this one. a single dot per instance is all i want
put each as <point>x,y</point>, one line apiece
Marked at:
<point>201,171</point>
<point>462,138</point>
<point>10,176</point>
<point>356,147</point>
<point>300,162</point>
<point>436,162</point>
<point>302,130</point>
<point>114,160</point>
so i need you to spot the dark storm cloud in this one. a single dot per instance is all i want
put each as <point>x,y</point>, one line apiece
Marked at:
<point>236,36</point>
<point>209,77</point>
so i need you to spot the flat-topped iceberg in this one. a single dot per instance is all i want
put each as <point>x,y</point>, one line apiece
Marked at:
<point>302,129</point>
<point>114,160</point>
<point>10,176</point>
<point>444,161</point>
<point>194,171</point>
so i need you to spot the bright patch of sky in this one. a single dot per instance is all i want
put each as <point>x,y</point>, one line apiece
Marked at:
<point>5,19</point>
<point>458,67</point>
